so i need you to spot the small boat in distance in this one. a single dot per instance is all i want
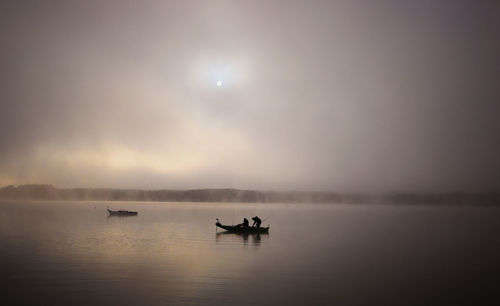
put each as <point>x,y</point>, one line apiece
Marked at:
<point>121,212</point>
<point>243,230</point>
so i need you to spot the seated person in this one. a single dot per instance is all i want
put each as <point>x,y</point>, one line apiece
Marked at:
<point>244,224</point>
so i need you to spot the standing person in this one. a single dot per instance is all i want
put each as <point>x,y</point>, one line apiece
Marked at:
<point>256,221</point>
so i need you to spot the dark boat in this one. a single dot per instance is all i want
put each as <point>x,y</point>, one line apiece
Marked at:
<point>243,230</point>
<point>121,212</point>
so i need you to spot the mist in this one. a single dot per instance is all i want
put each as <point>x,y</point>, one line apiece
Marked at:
<point>322,95</point>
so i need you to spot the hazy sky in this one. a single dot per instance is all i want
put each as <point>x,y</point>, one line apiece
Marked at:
<point>321,95</point>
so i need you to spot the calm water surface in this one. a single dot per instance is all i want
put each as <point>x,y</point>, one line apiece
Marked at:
<point>72,253</point>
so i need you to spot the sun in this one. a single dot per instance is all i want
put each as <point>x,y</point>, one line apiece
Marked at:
<point>219,83</point>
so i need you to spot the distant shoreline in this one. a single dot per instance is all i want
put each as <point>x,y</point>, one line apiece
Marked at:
<point>49,192</point>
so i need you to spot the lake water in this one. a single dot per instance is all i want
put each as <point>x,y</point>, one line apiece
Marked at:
<point>72,253</point>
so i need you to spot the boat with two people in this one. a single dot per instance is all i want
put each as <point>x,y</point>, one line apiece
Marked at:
<point>243,228</point>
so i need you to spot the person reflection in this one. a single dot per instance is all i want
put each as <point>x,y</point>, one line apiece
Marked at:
<point>256,239</point>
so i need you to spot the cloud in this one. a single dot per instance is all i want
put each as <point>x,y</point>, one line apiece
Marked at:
<point>331,96</point>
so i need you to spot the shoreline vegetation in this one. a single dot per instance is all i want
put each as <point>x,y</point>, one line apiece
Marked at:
<point>49,192</point>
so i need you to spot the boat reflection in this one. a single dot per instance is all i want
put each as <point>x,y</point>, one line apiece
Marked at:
<point>120,216</point>
<point>245,237</point>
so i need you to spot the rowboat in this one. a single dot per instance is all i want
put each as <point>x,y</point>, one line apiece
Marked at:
<point>121,212</point>
<point>243,230</point>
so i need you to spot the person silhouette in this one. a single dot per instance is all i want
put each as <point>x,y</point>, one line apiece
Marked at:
<point>256,221</point>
